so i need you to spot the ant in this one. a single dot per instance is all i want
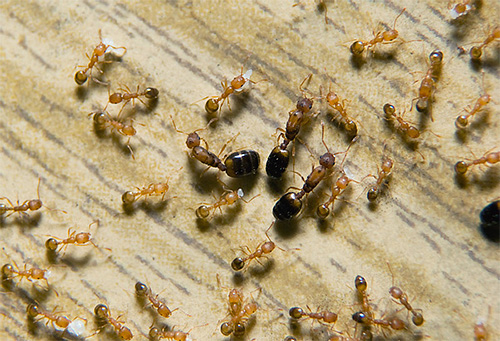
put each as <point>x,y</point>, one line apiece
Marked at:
<point>477,51</point>
<point>404,126</point>
<point>322,317</point>
<point>463,120</point>
<point>461,167</point>
<point>262,250</point>
<point>79,239</point>
<point>428,83</point>
<point>460,9</point>
<point>97,56</point>
<point>102,120</point>
<point>174,335</point>
<point>402,297</point>
<point>237,85</point>
<point>334,101</point>
<point>386,37</point>
<point>128,95</point>
<point>102,312</point>
<point>160,188</point>
<point>361,286</point>
<point>227,198</point>
<point>385,171</point>
<point>10,271</point>
<point>142,290</point>
<point>74,327</point>
<point>394,323</point>
<point>341,184</point>
<point>278,159</point>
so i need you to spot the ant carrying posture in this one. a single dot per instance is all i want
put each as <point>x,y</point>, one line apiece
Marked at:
<point>74,327</point>
<point>477,51</point>
<point>278,160</point>
<point>102,312</point>
<point>9,272</point>
<point>461,167</point>
<point>78,239</point>
<point>428,83</point>
<point>404,126</point>
<point>127,95</point>
<point>142,290</point>
<point>97,57</point>
<point>460,9</point>
<point>385,37</point>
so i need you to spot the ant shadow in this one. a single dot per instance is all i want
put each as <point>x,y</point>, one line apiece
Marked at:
<point>491,62</point>
<point>103,133</point>
<point>490,231</point>
<point>479,125</point>
<point>82,91</point>
<point>287,229</point>
<point>357,61</point>
<point>239,103</point>
<point>24,220</point>
<point>258,271</point>
<point>486,182</point>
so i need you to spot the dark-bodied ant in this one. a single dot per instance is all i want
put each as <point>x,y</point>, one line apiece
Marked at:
<point>404,126</point>
<point>237,164</point>
<point>78,239</point>
<point>74,327</point>
<point>142,290</point>
<point>462,121</point>
<point>361,286</point>
<point>477,51</point>
<point>385,37</point>
<point>174,335</point>
<point>320,316</point>
<point>335,102</point>
<point>97,57</point>
<point>102,312</point>
<point>461,167</point>
<point>9,272</point>
<point>102,120</point>
<point>399,295</point>
<point>278,159</point>
<point>383,174</point>
<point>290,204</point>
<point>394,323</point>
<point>428,83</point>
<point>160,188</point>
<point>227,198</point>
<point>127,95</point>
<point>263,249</point>
<point>460,9</point>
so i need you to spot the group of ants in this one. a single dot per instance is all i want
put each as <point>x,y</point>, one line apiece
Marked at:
<point>244,163</point>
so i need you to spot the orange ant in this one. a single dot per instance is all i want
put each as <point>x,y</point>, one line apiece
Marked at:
<point>394,323</point>
<point>477,51</point>
<point>402,297</point>
<point>75,327</point>
<point>102,313</point>
<point>102,120</point>
<point>463,120</point>
<point>174,335</point>
<point>142,290</point>
<point>385,171</point>
<point>79,239</point>
<point>261,251</point>
<point>278,159</point>
<point>480,330</point>
<point>128,95</point>
<point>334,101</point>
<point>386,37</point>
<point>461,167</point>
<point>460,9</point>
<point>361,286</point>
<point>160,188</point>
<point>10,272</point>
<point>227,198</point>
<point>97,56</point>
<point>341,184</point>
<point>322,317</point>
<point>428,83</point>
<point>404,126</point>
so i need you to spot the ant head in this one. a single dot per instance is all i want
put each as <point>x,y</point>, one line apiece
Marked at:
<point>129,130</point>
<point>34,204</point>
<point>304,105</point>
<point>327,160</point>
<point>193,140</point>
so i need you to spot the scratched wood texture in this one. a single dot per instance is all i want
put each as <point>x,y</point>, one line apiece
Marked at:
<point>425,225</point>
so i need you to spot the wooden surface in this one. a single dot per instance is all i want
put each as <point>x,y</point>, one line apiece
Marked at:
<point>425,225</point>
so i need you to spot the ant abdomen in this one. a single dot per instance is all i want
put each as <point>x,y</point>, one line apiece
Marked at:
<point>287,206</point>
<point>242,163</point>
<point>277,162</point>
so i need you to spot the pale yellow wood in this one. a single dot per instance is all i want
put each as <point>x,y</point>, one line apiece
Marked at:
<point>426,224</point>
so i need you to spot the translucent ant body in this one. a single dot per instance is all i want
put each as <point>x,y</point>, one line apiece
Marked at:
<point>27,205</point>
<point>10,272</point>
<point>404,126</point>
<point>78,239</point>
<point>174,335</point>
<point>142,290</point>
<point>102,312</point>
<point>278,159</point>
<point>361,286</point>
<point>237,85</point>
<point>228,198</point>
<point>428,83</point>
<point>385,37</point>
<point>461,167</point>
<point>102,121</point>
<point>320,316</point>
<point>385,171</point>
<point>160,188</point>
<point>335,102</point>
<point>75,327</point>
<point>96,57</point>
<point>127,95</point>
<point>462,121</point>
<point>323,211</point>
<point>263,249</point>
<point>460,9</point>
<point>393,323</point>
<point>477,51</point>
